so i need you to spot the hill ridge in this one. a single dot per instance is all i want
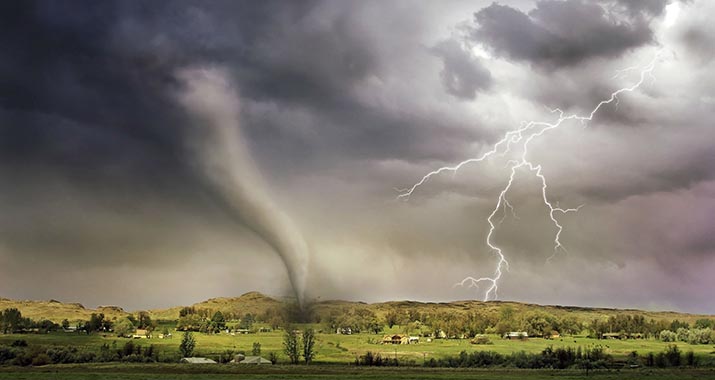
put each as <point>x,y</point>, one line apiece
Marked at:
<point>258,303</point>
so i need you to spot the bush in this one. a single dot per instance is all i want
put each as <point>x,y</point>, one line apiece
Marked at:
<point>375,360</point>
<point>41,359</point>
<point>672,356</point>
<point>667,336</point>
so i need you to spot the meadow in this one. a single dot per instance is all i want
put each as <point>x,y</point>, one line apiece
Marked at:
<point>335,349</point>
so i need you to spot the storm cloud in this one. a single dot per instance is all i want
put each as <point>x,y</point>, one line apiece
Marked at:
<point>564,33</point>
<point>105,186</point>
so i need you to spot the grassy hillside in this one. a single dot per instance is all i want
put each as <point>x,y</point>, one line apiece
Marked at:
<point>57,311</point>
<point>258,304</point>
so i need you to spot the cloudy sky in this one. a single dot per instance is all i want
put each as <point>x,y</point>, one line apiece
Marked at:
<point>161,153</point>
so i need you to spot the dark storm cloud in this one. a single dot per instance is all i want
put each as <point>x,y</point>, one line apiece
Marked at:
<point>462,74</point>
<point>339,103</point>
<point>88,114</point>
<point>561,33</point>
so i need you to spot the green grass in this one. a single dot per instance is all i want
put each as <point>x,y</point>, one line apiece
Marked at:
<point>333,348</point>
<point>219,372</point>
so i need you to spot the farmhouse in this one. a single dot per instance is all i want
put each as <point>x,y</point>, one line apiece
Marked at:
<point>552,335</point>
<point>255,360</point>
<point>141,334</point>
<point>521,335</point>
<point>197,361</point>
<point>395,339</point>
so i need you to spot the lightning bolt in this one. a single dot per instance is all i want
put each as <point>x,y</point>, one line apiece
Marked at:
<point>522,137</point>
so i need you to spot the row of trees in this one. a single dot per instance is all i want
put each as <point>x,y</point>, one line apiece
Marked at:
<point>295,347</point>
<point>192,319</point>
<point>12,321</point>
<point>691,336</point>
<point>567,357</point>
<point>535,323</point>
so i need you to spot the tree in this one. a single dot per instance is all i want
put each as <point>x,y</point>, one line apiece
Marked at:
<point>291,345</point>
<point>247,321</point>
<point>308,345</point>
<point>123,327</point>
<point>188,343</point>
<point>96,322</point>
<point>144,321</point>
<point>187,310</point>
<point>392,318</point>
<point>256,349</point>
<point>218,321</point>
<point>704,323</point>
<point>65,324</point>
<point>11,320</point>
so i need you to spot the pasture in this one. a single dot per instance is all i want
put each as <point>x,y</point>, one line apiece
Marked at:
<point>336,349</point>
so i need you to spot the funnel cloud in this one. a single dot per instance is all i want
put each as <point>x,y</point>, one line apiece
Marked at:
<point>222,156</point>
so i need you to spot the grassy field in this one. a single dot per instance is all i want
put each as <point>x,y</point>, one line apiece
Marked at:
<point>228,371</point>
<point>333,348</point>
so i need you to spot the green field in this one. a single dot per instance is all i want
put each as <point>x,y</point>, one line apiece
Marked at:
<point>229,371</point>
<point>334,348</point>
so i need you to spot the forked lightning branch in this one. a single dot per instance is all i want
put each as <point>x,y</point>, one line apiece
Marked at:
<point>520,139</point>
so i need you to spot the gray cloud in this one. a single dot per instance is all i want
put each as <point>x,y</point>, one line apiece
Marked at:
<point>462,74</point>
<point>560,33</point>
<point>339,104</point>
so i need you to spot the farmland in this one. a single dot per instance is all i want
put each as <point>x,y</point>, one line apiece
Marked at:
<point>333,348</point>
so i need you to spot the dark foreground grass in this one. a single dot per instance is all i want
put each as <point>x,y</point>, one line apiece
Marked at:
<point>221,372</point>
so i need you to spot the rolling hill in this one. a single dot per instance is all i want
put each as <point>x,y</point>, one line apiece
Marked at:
<point>259,304</point>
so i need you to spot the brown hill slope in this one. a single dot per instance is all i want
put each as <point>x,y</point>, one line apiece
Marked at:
<point>56,311</point>
<point>259,304</point>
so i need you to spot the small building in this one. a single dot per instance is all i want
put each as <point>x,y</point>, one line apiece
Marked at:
<point>243,331</point>
<point>258,360</point>
<point>516,335</point>
<point>395,339</point>
<point>198,361</point>
<point>552,335</point>
<point>413,340</point>
<point>141,334</point>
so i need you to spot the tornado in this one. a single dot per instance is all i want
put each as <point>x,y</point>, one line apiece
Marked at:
<point>221,155</point>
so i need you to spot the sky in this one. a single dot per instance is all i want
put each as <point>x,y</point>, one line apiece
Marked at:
<point>161,153</point>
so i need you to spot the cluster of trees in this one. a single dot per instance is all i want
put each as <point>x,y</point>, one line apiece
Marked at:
<point>356,319</point>
<point>535,323</point>
<point>192,320</point>
<point>628,324</point>
<point>376,360</point>
<point>295,347</point>
<point>21,354</point>
<point>566,357</point>
<point>691,336</point>
<point>12,321</point>
<point>559,358</point>
<point>453,325</point>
